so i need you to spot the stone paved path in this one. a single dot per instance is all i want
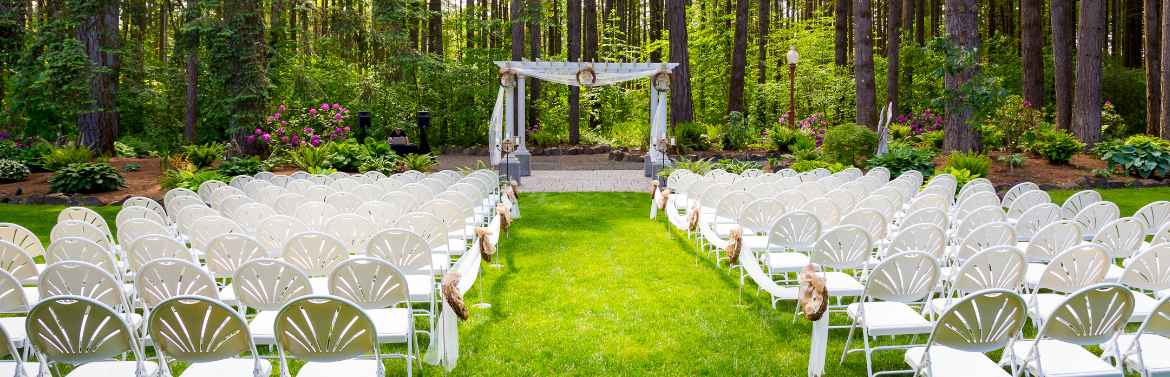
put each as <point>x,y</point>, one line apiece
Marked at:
<point>585,181</point>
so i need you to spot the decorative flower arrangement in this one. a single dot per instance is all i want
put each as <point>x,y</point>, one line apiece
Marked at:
<point>921,123</point>
<point>311,126</point>
<point>815,125</point>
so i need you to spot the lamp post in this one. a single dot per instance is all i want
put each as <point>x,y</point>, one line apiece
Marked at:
<point>793,57</point>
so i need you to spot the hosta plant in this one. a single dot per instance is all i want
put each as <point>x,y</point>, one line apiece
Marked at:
<point>86,178</point>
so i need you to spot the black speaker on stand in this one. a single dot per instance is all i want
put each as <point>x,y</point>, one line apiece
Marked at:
<point>424,122</point>
<point>364,121</point>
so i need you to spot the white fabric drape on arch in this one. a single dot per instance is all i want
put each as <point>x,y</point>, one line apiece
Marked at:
<point>496,128</point>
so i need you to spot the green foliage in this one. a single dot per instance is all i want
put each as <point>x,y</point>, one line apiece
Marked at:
<point>420,162</point>
<point>697,166</point>
<point>123,150</point>
<point>13,171</point>
<point>346,156</point>
<point>140,146</point>
<point>189,178</point>
<point>1112,124</point>
<point>1141,155</point>
<point>59,158</point>
<point>931,139</point>
<point>788,140</point>
<point>978,165</point>
<point>309,158</point>
<point>1013,160</point>
<point>808,165</point>
<point>738,166</point>
<point>86,178</point>
<point>1102,173</point>
<point>1012,120</point>
<point>203,156</point>
<point>132,167</point>
<point>1057,146</point>
<point>234,166</point>
<point>849,144</point>
<point>902,158</point>
<point>690,137</point>
<point>962,176</point>
<point>385,165</point>
<point>736,134</point>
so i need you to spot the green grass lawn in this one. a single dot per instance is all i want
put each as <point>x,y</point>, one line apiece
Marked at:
<point>591,286</point>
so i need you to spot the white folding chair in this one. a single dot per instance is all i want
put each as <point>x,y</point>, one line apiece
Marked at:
<point>314,253</point>
<point>1078,201</point>
<point>1076,268</point>
<point>788,243</point>
<point>1031,221</point>
<point>999,267</point>
<point>885,309</point>
<point>1094,216</point>
<point>307,329</point>
<point>1153,216</point>
<point>17,262</point>
<point>1145,351</point>
<point>352,230</point>
<point>982,322</point>
<point>277,230</point>
<point>266,285</point>
<point>215,348</point>
<point>1093,315</point>
<point>86,215</point>
<point>1147,274</point>
<point>86,333</point>
<point>380,289</point>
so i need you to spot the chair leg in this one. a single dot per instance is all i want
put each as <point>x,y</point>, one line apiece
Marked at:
<point>868,351</point>
<point>848,340</point>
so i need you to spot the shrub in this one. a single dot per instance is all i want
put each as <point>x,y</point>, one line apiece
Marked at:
<point>31,153</point>
<point>420,162</point>
<point>737,135</point>
<point>132,167</point>
<point>59,158</point>
<point>189,178</point>
<point>86,178</point>
<point>203,156</point>
<point>904,158</point>
<point>849,144</point>
<point>931,139</point>
<point>309,158</point>
<point>234,166</point>
<point>1057,146</point>
<point>347,156</point>
<point>1111,122</point>
<point>378,148</point>
<point>1141,155</point>
<point>142,148</point>
<point>962,176</point>
<point>689,137</point>
<point>738,166</point>
<point>385,165</point>
<point>1013,160</point>
<point>13,171</point>
<point>699,166</point>
<point>978,165</point>
<point>8,149</point>
<point>123,150</point>
<point>788,140</point>
<point>808,165</point>
<point>1014,119</point>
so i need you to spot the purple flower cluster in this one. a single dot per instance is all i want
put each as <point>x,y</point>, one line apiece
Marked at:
<point>924,122</point>
<point>311,126</point>
<point>815,125</point>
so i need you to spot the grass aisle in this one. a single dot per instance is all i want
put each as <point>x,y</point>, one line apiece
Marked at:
<point>594,287</point>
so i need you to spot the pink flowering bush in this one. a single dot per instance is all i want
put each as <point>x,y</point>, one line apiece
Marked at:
<point>815,125</point>
<point>926,121</point>
<point>313,126</point>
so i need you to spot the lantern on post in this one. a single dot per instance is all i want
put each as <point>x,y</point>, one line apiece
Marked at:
<point>793,58</point>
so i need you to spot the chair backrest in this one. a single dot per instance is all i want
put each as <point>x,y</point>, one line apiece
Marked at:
<point>325,329</point>
<point>16,261</point>
<point>794,230</point>
<point>267,284</point>
<point>791,198</point>
<point>352,230</point>
<point>906,277</point>
<point>1027,201</point>
<point>983,321</point>
<point>77,330</point>
<point>371,283</point>
<point>843,198</point>
<point>999,267</point>
<point>976,201</point>
<point>208,227</point>
<point>275,232</point>
<point>21,238</point>
<point>250,215</point>
<point>133,229</point>
<point>1158,323</point>
<point>403,248</point>
<point>344,201</point>
<point>453,216</point>
<point>228,252</point>
<point>314,214</point>
<point>426,225</point>
<point>81,279</point>
<point>872,220</point>
<point>932,216</point>
<point>286,204</point>
<point>985,236</point>
<point>926,238</point>
<point>1092,315</point>
<point>419,191</point>
<point>1035,218</point>
<point>1053,239</point>
<point>1122,237</point>
<point>1162,235</point>
<point>81,249</point>
<point>730,205</point>
<point>976,218</point>
<point>208,187</point>
<point>402,199</point>
<point>383,214</point>
<point>198,329</point>
<point>179,203</point>
<point>825,211</point>
<point>314,253</point>
<point>1075,268</point>
<point>141,201</point>
<point>85,215</point>
<point>843,247</point>
<point>929,201</point>
<point>186,217</point>
<point>1075,203</point>
<point>1096,215</point>
<point>139,212</point>
<point>76,228</point>
<point>1149,270</point>
<point>760,214</point>
<point>12,297</point>
<point>1153,215</point>
<point>165,278</point>
<point>1019,189</point>
<point>881,204</point>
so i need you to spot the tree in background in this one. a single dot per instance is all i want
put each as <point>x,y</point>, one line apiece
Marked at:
<point>863,63</point>
<point>1090,42</point>
<point>1063,34</point>
<point>1032,51</point>
<point>963,39</point>
<point>681,106</point>
<point>97,30</point>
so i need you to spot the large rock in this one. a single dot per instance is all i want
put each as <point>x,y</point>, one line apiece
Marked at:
<point>599,149</point>
<point>554,151</point>
<point>617,155</point>
<point>635,158</point>
<point>575,150</point>
<point>54,198</point>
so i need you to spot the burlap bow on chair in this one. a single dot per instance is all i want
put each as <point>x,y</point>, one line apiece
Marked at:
<point>505,216</point>
<point>486,249</point>
<point>662,199</point>
<point>693,219</point>
<point>814,295</point>
<point>450,289</point>
<point>736,243</point>
<point>512,191</point>
<point>653,187</point>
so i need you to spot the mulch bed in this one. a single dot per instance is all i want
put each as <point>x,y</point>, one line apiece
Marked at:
<point>143,182</point>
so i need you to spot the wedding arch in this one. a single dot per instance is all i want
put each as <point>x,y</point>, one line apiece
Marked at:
<point>507,120</point>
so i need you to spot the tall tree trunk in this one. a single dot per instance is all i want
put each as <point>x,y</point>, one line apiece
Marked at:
<point>1032,51</point>
<point>863,63</point>
<point>1152,42</point>
<point>293,22</point>
<point>1132,42</point>
<point>589,17</point>
<point>893,49</point>
<point>164,15</point>
<point>573,12</point>
<point>656,27</point>
<point>1063,35</point>
<point>920,22</point>
<point>469,23</point>
<point>681,107</point>
<point>517,30</point>
<point>1090,42</point>
<point>962,20</point>
<point>762,58</point>
<point>738,58</point>
<point>1164,112</point>
<point>841,28</point>
<point>435,33</point>
<point>247,72</point>
<point>12,30</point>
<point>535,15</point>
<point>276,26</point>
<point>191,47</point>
<point>935,17</point>
<point>98,34</point>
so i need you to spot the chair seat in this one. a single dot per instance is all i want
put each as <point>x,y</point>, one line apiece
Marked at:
<point>227,295</point>
<point>420,287</point>
<point>945,361</point>
<point>785,262</point>
<point>263,327</point>
<point>1143,306</point>
<point>227,368</point>
<point>112,368</point>
<point>339,368</point>
<point>1045,304</point>
<point>938,306</point>
<point>889,318</point>
<point>14,326</point>
<point>392,324</point>
<point>8,368</point>
<point>1154,351</point>
<point>842,284</point>
<point>1058,358</point>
